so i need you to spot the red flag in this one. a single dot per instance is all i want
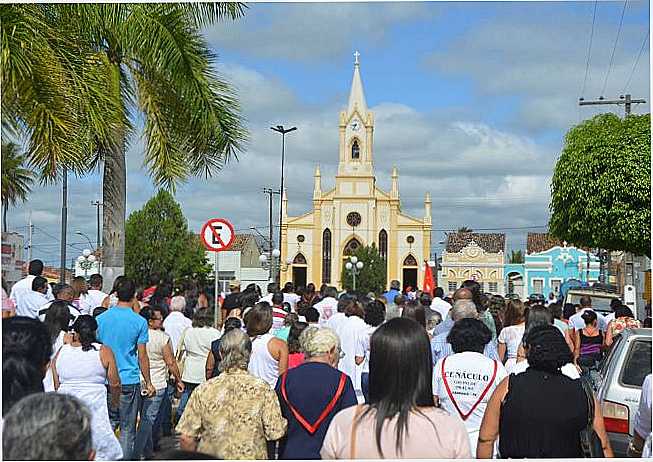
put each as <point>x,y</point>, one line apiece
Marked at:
<point>428,280</point>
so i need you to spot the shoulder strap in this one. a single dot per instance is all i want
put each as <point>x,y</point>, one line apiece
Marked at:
<point>354,427</point>
<point>182,347</point>
<point>312,428</point>
<point>465,416</point>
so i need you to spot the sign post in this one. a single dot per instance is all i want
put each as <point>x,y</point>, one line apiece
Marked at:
<point>217,236</point>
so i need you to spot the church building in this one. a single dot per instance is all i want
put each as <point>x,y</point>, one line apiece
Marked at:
<point>356,212</point>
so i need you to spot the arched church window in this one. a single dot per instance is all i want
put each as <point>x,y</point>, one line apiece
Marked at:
<point>355,150</point>
<point>383,244</point>
<point>299,259</point>
<point>410,261</point>
<point>326,256</point>
<point>351,246</point>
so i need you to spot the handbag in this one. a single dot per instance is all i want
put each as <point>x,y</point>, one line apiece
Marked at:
<point>590,442</point>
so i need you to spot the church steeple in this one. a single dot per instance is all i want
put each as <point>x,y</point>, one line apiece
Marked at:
<point>356,131</point>
<point>356,94</point>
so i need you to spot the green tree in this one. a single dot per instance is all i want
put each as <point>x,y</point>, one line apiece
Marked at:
<point>79,79</point>
<point>16,179</point>
<point>372,278</point>
<point>465,229</point>
<point>516,256</point>
<point>157,240</point>
<point>161,70</point>
<point>601,186</point>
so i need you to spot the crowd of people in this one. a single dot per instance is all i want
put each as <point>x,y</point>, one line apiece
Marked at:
<point>299,373</point>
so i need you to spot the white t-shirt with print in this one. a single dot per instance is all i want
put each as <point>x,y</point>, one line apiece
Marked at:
<point>327,308</point>
<point>468,376</point>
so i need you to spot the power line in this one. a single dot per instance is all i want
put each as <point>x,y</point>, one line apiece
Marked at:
<point>589,50</point>
<point>614,48</point>
<point>632,72</point>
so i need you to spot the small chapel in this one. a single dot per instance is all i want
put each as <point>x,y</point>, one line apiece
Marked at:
<point>355,212</point>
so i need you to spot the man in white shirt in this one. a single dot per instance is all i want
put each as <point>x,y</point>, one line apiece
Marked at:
<point>614,304</point>
<point>328,306</point>
<point>439,305</point>
<point>176,323</point>
<point>29,303</point>
<point>272,288</point>
<point>94,296</point>
<point>336,321</point>
<point>63,293</point>
<point>577,321</point>
<point>289,296</point>
<point>24,286</point>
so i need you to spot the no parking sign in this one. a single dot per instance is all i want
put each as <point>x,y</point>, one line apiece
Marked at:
<point>217,236</point>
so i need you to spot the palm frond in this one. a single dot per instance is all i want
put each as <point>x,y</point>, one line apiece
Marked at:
<point>16,180</point>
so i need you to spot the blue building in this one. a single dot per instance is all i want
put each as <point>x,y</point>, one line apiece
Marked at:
<point>547,265</point>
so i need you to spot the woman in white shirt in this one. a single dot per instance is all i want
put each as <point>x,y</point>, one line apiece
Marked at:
<point>374,317</point>
<point>351,329</point>
<point>511,335</point>
<point>269,358</point>
<point>464,382</point>
<point>194,347</point>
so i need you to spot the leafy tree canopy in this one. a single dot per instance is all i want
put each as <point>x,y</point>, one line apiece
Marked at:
<point>372,278</point>
<point>158,241</point>
<point>601,186</point>
<point>516,256</point>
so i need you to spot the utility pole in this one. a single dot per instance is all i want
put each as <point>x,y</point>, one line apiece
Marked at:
<point>30,230</point>
<point>97,205</point>
<point>626,100</point>
<point>64,225</point>
<point>270,192</point>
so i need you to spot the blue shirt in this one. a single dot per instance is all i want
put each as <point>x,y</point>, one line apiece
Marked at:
<point>391,294</point>
<point>122,330</point>
<point>310,387</point>
<point>440,348</point>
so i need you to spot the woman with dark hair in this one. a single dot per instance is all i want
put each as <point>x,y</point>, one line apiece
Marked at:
<point>295,353</point>
<point>57,321</point>
<point>497,308</point>
<point>463,382</point>
<point>194,347</point>
<point>401,413</point>
<point>374,317</point>
<point>350,330</point>
<point>568,310</point>
<point>26,353</point>
<point>112,299</point>
<point>413,310</point>
<point>213,359</point>
<point>310,296</point>
<point>623,319</point>
<point>269,357</point>
<point>588,342</point>
<point>82,369</point>
<point>556,406</point>
<point>511,335</point>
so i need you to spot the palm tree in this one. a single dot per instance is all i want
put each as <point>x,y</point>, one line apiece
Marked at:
<point>16,179</point>
<point>465,229</point>
<point>160,70</point>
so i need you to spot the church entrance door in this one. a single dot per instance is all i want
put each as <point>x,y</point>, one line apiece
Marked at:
<point>299,276</point>
<point>409,277</point>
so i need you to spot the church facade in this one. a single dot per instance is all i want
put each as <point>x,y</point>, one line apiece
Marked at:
<point>354,213</point>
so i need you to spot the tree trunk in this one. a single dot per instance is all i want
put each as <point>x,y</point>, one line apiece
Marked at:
<point>5,209</point>
<point>114,198</point>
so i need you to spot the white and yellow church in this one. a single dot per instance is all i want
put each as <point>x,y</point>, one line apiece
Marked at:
<point>356,212</point>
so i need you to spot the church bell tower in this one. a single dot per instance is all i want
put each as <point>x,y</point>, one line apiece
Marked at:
<point>356,131</point>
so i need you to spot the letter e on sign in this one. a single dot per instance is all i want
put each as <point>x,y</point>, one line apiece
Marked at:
<point>217,235</point>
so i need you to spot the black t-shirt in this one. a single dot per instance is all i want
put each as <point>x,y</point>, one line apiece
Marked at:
<point>231,302</point>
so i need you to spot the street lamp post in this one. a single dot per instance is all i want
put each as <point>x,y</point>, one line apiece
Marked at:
<point>354,267</point>
<point>283,131</point>
<point>86,261</point>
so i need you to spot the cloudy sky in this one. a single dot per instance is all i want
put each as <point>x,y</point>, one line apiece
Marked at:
<point>472,103</point>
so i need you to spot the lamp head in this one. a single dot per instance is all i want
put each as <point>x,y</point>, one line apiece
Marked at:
<point>276,253</point>
<point>348,265</point>
<point>86,252</point>
<point>360,265</point>
<point>262,258</point>
<point>91,258</point>
<point>354,259</point>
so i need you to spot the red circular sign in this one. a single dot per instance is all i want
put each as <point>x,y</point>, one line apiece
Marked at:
<point>217,235</point>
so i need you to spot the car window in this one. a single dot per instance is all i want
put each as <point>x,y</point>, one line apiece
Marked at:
<point>638,363</point>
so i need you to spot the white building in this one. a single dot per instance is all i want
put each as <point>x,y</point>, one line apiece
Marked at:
<point>240,262</point>
<point>13,258</point>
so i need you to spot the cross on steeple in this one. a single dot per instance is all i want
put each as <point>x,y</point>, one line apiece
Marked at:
<point>356,55</point>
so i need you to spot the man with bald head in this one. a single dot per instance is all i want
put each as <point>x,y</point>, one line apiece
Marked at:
<point>447,323</point>
<point>462,309</point>
<point>463,294</point>
<point>65,293</point>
